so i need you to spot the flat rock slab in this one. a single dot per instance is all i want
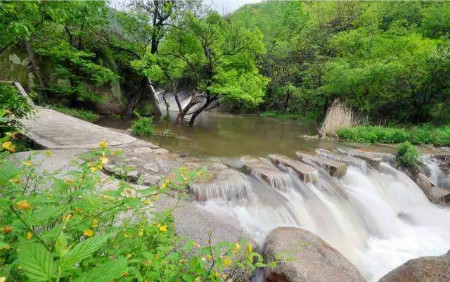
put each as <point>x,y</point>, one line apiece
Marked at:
<point>349,160</point>
<point>333,168</point>
<point>371,158</point>
<point>54,130</point>
<point>266,171</point>
<point>304,171</point>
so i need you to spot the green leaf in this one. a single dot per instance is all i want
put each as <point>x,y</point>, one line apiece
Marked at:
<point>105,272</point>
<point>84,250</point>
<point>61,244</point>
<point>36,260</point>
<point>4,246</point>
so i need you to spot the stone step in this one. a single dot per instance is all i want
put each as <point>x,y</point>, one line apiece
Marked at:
<point>267,172</point>
<point>370,158</point>
<point>349,160</point>
<point>304,171</point>
<point>333,168</point>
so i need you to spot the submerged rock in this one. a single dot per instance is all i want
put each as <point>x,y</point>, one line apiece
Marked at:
<point>423,269</point>
<point>305,257</point>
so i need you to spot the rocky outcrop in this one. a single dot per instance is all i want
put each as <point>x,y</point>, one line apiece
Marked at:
<point>305,257</point>
<point>435,194</point>
<point>423,269</point>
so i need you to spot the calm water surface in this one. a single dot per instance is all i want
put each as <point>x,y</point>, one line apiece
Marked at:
<point>226,135</point>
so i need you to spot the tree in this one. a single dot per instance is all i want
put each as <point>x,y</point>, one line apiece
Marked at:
<point>215,56</point>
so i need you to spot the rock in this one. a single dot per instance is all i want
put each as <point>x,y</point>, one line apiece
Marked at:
<point>110,168</point>
<point>369,157</point>
<point>133,175</point>
<point>266,171</point>
<point>305,257</point>
<point>349,160</point>
<point>148,179</point>
<point>435,194</point>
<point>304,171</point>
<point>228,185</point>
<point>142,150</point>
<point>333,168</point>
<point>161,151</point>
<point>153,146</point>
<point>152,167</point>
<point>423,269</point>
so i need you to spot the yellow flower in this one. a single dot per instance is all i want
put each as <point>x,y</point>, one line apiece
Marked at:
<point>163,228</point>
<point>66,218</point>
<point>28,163</point>
<point>2,279</point>
<point>29,235</point>
<point>49,153</point>
<point>141,233</point>
<point>164,185</point>
<point>23,205</point>
<point>94,223</point>
<point>88,233</point>
<point>103,145</point>
<point>129,255</point>
<point>94,169</point>
<point>227,261</point>
<point>7,229</point>
<point>249,248</point>
<point>148,202</point>
<point>14,181</point>
<point>104,160</point>
<point>236,247</point>
<point>9,146</point>
<point>69,181</point>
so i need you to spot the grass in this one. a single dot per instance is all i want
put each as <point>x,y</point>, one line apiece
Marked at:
<point>425,134</point>
<point>78,113</point>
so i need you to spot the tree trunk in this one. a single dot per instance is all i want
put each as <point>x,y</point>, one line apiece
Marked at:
<point>201,109</point>
<point>287,101</point>
<point>34,64</point>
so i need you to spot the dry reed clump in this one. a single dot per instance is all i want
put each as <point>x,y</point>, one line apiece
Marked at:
<point>338,116</point>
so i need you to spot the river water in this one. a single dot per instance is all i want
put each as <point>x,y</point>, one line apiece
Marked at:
<point>377,218</point>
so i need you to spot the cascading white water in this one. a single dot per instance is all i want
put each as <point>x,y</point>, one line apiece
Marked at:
<point>378,219</point>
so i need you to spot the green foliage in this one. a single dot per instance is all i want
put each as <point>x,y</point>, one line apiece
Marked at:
<point>379,134</point>
<point>74,230</point>
<point>78,113</point>
<point>408,157</point>
<point>143,126</point>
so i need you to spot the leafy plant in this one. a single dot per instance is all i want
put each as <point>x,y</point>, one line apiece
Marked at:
<point>75,230</point>
<point>408,157</point>
<point>143,126</point>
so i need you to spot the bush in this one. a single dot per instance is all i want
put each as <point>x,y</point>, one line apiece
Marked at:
<point>75,230</point>
<point>416,135</point>
<point>78,113</point>
<point>408,157</point>
<point>143,126</point>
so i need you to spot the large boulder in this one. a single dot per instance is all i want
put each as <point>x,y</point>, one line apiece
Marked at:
<point>423,269</point>
<point>435,194</point>
<point>305,257</point>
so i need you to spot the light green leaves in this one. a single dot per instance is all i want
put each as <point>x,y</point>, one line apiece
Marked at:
<point>84,250</point>
<point>36,260</point>
<point>105,272</point>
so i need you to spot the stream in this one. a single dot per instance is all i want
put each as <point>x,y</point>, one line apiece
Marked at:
<point>378,218</point>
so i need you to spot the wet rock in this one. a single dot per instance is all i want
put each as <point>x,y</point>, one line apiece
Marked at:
<point>435,194</point>
<point>304,171</point>
<point>266,171</point>
<point>305,257</point>
<point>423,269</point>
<point>333,168</point>
<point>371,158</point>
<point>153,167</point>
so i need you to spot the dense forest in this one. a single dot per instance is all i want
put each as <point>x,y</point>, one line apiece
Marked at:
<point>389,61</point>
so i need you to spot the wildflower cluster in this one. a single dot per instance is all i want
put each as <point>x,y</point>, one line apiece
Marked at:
<point>74,228</point>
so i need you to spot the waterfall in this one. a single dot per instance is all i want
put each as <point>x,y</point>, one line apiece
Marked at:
<point>377,218</point>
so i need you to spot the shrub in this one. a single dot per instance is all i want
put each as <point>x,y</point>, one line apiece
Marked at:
<point>143,126</point>
<point>74,230</point>
<point>78,113</point>
<point>408,157</point>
